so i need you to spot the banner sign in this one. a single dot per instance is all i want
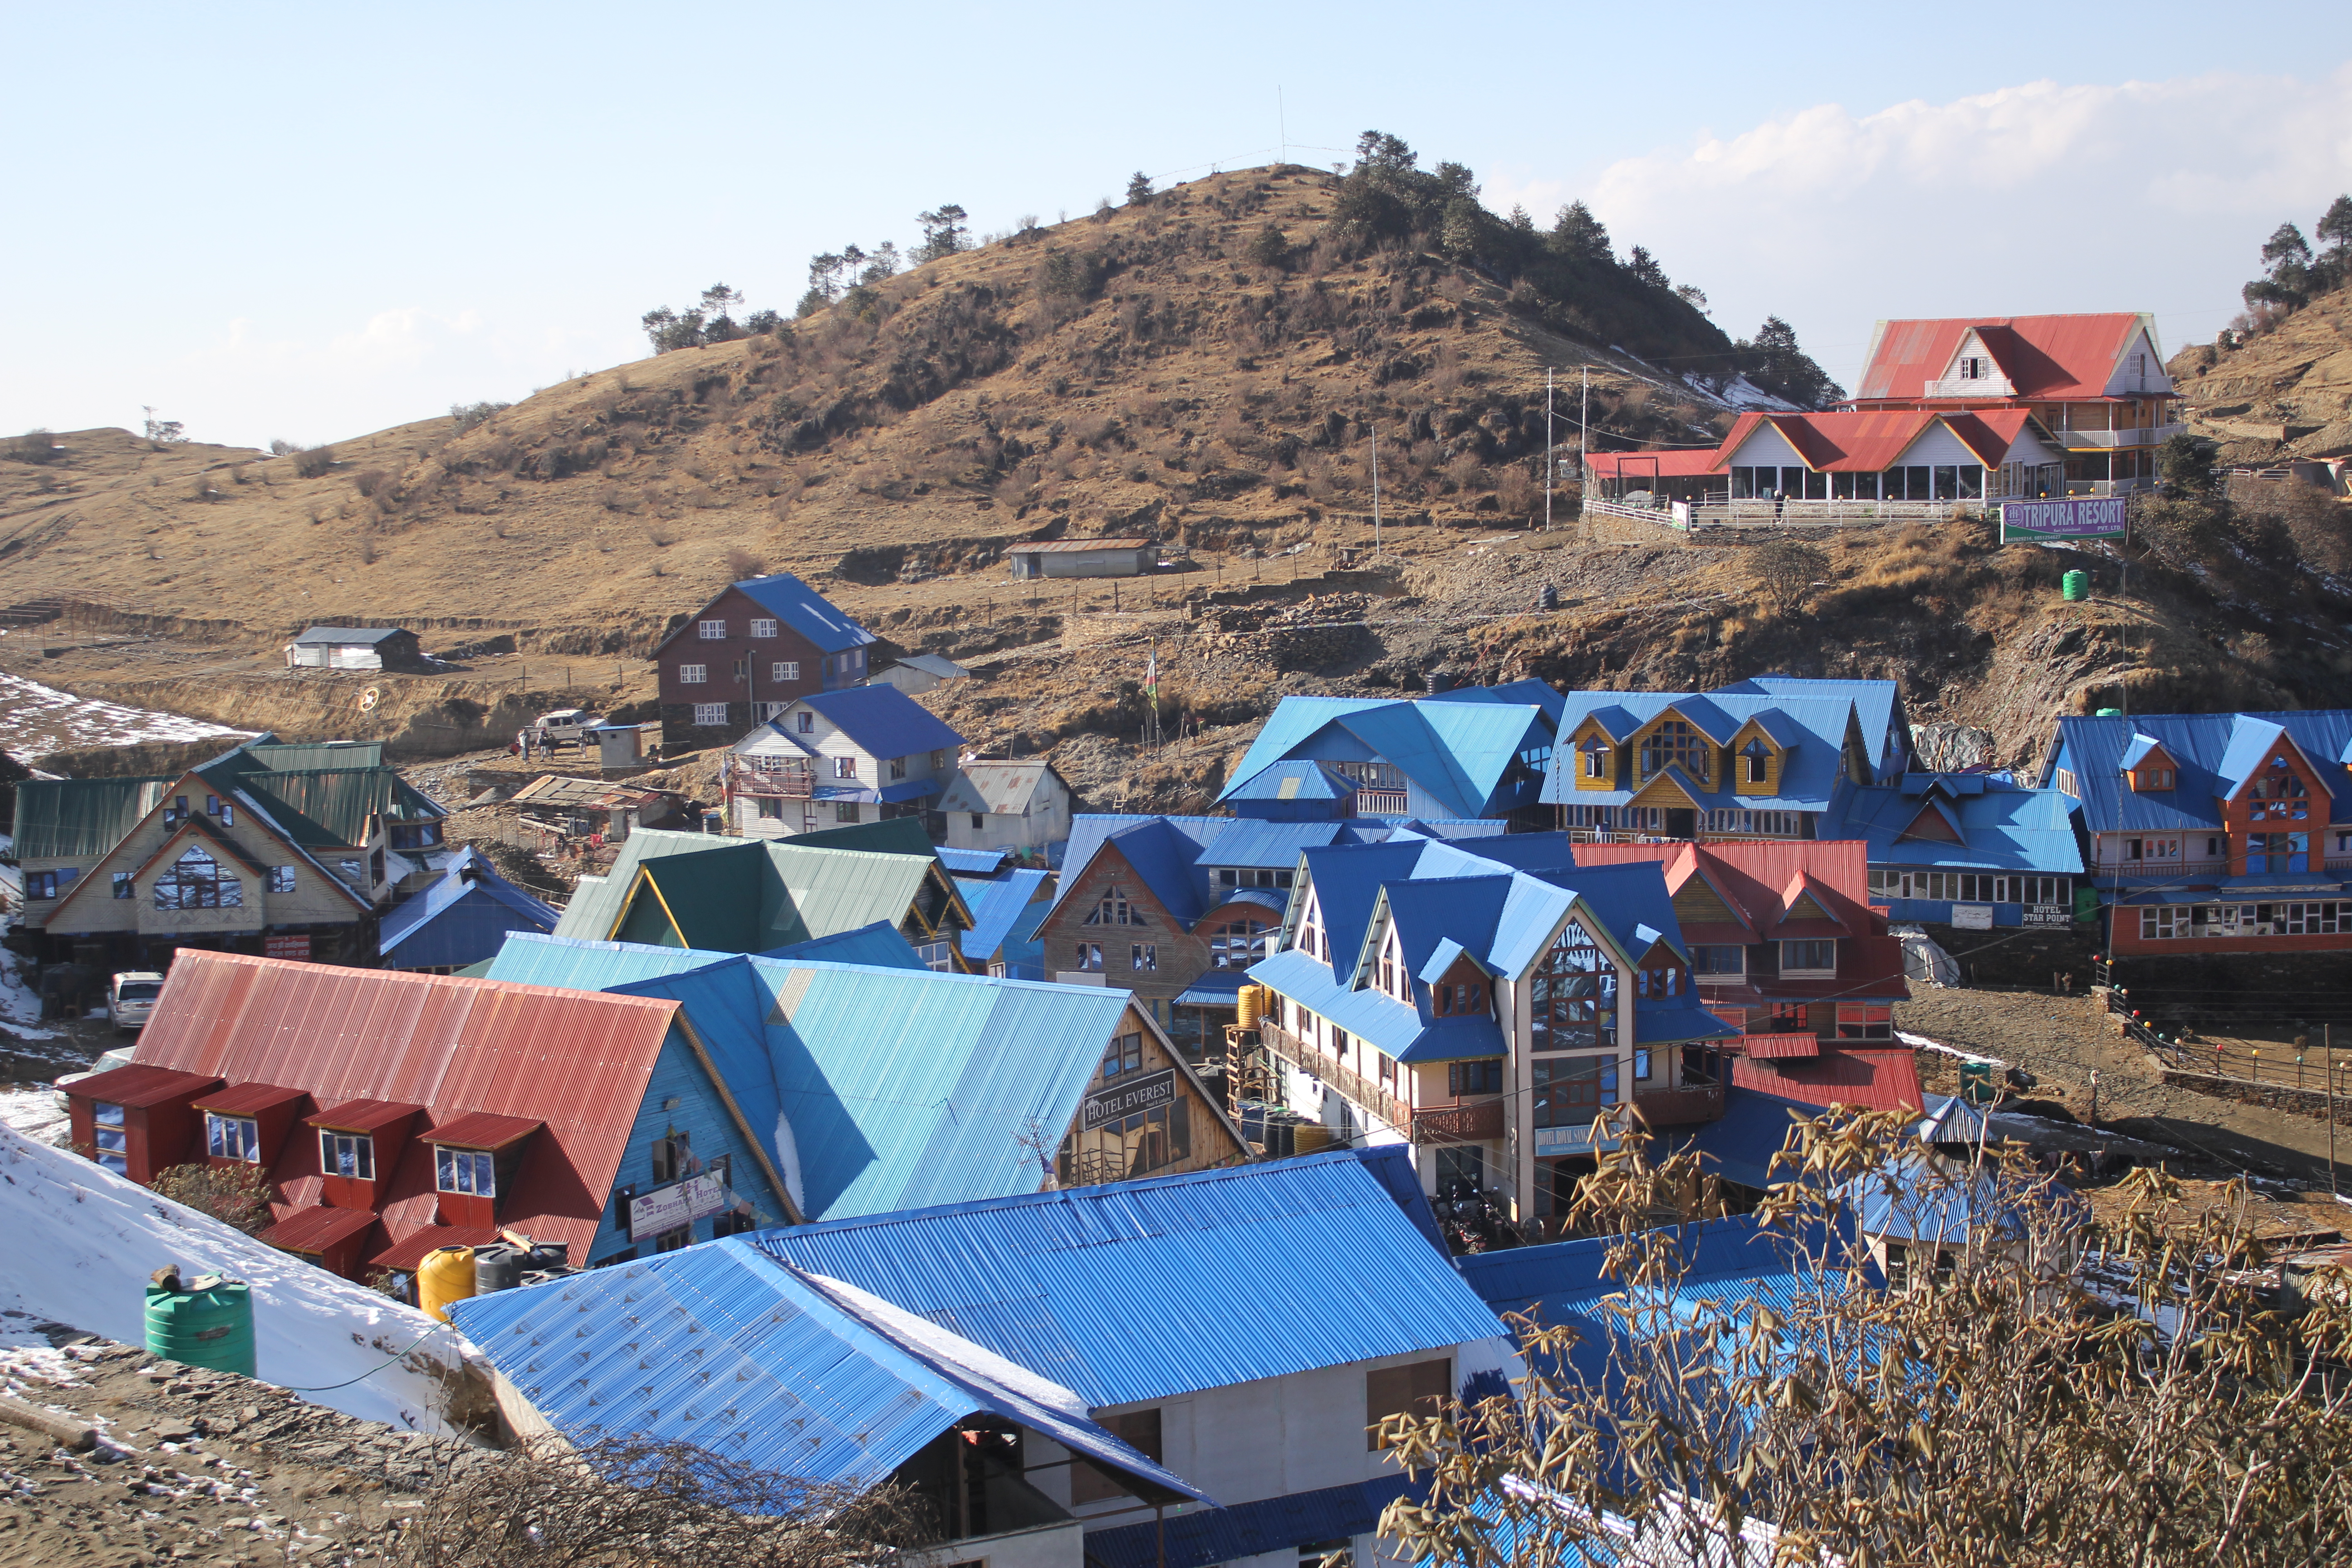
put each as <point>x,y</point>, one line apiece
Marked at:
<point>1972,916</point>
<point>2083,516</point>
<point>1125,1098</point>
<point>277,945</point>
<point>2048,915</point>
<point>680,1204</point>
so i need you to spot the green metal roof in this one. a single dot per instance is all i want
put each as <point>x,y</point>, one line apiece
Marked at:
<point>320,807</point>
<point>68,818</point>
<point>748,895</point>
<point>289,757</point>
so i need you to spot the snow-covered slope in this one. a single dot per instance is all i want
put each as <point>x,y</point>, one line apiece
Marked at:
<point>82,1241</point>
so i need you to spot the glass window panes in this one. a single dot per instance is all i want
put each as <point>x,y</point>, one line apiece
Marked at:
<point>468,1171</point>
<point>112,1140</point>
<point>1571,1090</point>
<point>349,1154</point>
<point>197,881</point>
<point>232,1138</point>
<point>1572,996</point>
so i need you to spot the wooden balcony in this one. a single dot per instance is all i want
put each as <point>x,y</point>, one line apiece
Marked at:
<point>1359,1090</point>
<point>1684,1107</point>
<point>796,783</point>
<point>1459,1123</point>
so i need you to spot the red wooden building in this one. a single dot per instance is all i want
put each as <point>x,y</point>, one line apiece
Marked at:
<point>746,655</point>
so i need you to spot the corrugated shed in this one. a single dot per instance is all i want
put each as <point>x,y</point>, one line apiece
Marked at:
<point>1057,1282</point>
<point>366,636</point>
<point>578,1063</point>
<point>1074,546</point>
<point>884,721</point>
<point>68,818</point>
<point>1004,788</point>
<point>724,1347</point>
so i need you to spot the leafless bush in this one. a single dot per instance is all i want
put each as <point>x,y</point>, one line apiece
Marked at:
<point>371,481</point>
<point>1786,571</point>
<point>367,544</point>
<point>32,447</point>
<point>463,417</point>
<point>650,1505</point>
<point>312,462</point>
<point>237,476</point>
<point>2028,1385</point>
<point>1517,491</point>
<point>1464,472</point>
<point>743,565</point>
<point>661,538</point>
<point>234,1194</point>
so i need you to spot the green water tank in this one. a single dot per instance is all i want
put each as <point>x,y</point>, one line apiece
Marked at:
<point>207,1322</point>
<point>2110,714</point>
<point>2075,585</point>
<point>1977,1085</point>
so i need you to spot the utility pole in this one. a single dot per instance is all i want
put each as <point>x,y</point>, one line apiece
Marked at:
<point>1583,423</point>
<point>2327,1048</point>
<point>1376,493</point>
<point>1548,462</point>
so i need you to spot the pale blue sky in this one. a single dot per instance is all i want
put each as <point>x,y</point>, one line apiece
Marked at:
<point>309,221</point>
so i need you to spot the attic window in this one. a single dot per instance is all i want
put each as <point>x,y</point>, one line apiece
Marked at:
<point>1758,762</point>
<point>349,1154</point>
<point>1676,743</point>
<point>2154,777</point>
<point>1596,759</point>
<point>1115,908</point>
<point>1459,999</point>
<point>197,882</point>
<point>1972,368</point>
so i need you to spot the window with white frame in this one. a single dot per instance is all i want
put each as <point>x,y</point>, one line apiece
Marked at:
<point>232,1137</point>
<point>784,669</point>
<point>762,628</point>
<point>349,1154</point>
<point>693,674</point>
<point>710,713</point>
<point>472,1172</point>
<point>710,631</point>
<point>844,767</point>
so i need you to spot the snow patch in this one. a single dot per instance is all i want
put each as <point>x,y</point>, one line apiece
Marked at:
<point>38,1113</point>
<point>1922,1042</point>
<point>35,719</point>
<point>89,1240</point>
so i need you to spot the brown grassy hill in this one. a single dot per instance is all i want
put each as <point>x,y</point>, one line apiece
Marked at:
<point>1097,375</point>
<point>2277,394</point>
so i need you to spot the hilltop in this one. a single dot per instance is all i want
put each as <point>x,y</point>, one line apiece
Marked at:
<point>2275,395</point>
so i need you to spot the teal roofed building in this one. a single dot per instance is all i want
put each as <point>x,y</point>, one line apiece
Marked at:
<point>1482,1003</point>
<point>878,1088</point>
<point>1480,752</point>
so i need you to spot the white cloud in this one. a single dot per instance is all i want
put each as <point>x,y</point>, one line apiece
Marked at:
<point>2144,195</point>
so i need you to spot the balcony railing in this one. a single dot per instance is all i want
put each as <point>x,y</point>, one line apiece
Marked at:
<point>797,782</point>
<point>1459,1123</point>
<point>2144,436</point>
<point>1353,1087</point>
<point>1692,1102</point>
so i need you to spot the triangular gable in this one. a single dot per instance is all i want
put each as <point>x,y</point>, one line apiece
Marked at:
<point>1671,788</point>
<point>645,917</point>
<point>198,823</point>
<point>1806,900</point>
<point>2252,743</point>
<point>1934,822</point>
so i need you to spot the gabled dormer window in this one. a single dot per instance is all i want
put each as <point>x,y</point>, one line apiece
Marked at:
<point>2279,795</point>
<point>1756,762</point>
<point>349,1154</point>
<point>1596,759</point>
<point>1676,743</point>
<point>1457,999</point>
<point>2153,775</point>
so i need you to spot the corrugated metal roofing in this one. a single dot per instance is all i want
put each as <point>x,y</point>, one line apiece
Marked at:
<point>805,610</point>
<point>247,1099</point>
<point>1069,546</point>
<point>468,875</point>
<point>2042,356</point>
<point>751,895</point>
<point>881,1089</point>
<point>141,1084</point>
<point>1726,1261</point>
<point>883,722</point>
<point>579,1063</point>
<point>1290,780</point>
<point>996,905</point>
<point>1877,1079</point>
<point>1811,771</point>
<point>2212,751</point>
<point>1059,1282</point>
<point>364,1115</point>
<point>1004,788</point>
<point>878,946</point>
<point>724,1347</point>
<point>971,862</point>
<point>2002,827</point>
<point>69,818</point>
<point>315,1229</point>
<point>1740,1145</point>
<point>326,808</point>
<point>484,1129</point>
<point>555,789</point>
<point>361,634</point>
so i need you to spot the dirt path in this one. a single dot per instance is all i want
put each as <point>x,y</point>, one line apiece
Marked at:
<point>2063,1039</point>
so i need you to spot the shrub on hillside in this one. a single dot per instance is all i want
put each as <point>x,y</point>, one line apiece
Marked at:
<point>235,1195</point>
<point>463,417</point>
<point>1268,248</point>
<point>312,462</point>
<point>32,447</point>
<point>1786,571</point>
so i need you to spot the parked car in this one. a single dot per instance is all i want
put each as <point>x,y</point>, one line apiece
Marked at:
<point>131,997</point>
<point>566,726</point>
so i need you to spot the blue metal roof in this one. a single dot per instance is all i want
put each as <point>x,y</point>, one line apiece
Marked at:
<point>1528,691</point>
<point>1295,779</point>
<point>461,918</point>
<point>1208,1536</point>
<point>996,906</point>
<point>970,862</point>
<point>1215,988</point>
<point>1565,1283</point>
<point>1373,1016</point>
<point>2215,754</point>
<point>1064,1282</point>
<point>1268,846</point>
<point>1813,726</point>
<point>807,611</point>
<point>878,946</point>
<point>1877,706</point>
<point>905,790</point>
<point>873,1089</point>
<point>1456,751</point>
<point>1293,721</point>
<point>2004,826</point>
<point>883,722</point>
<point>1738,1146</point>
<point>722,1346</point>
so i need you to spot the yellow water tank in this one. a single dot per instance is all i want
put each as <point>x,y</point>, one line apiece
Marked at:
<point>1248,1006</point>
<point>447,1274</point>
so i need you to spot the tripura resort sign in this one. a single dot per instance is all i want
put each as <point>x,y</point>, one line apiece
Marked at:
<point>2083,517</point>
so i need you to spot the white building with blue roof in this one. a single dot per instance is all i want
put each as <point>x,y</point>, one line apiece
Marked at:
<point>2214,833</point>
<point>1471,754</point>
<point>1483,1003</point>
<point>866,753</point>
<point>1975,851</point>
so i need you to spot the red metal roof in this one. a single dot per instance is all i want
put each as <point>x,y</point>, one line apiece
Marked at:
<point>1772,1047</point>
<point>364,1115</point>
<point>577,1060</point>
<point>482,1130</point>
<point>249,1099</point>
<point>409,1253</point>
<point>316,1228</point>
<point>2042,356</point>
<point>1867,441</point>
<point>1875,1080</point>
<point>140,1085</point>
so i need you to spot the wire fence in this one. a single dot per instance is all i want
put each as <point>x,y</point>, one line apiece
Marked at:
<point>2310,1064</point>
